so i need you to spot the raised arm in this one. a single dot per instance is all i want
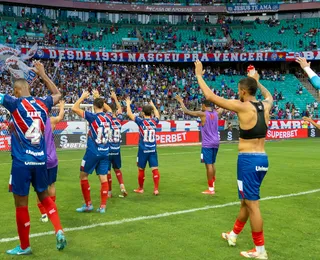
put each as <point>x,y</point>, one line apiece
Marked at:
<point>76,107</point>
<point>155,110</point>
<point>107,108</point>
<point>308,119</point>
<point>187,111</point>
<point>55,93</point>
<point>129,111</point>
<point>233,105</point>
<point>114,97</point>
<point>57,119</point>
<point>268,99</point>
<point>314,78</point>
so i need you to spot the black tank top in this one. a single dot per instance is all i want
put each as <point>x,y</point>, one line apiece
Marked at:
<point>260,129</point>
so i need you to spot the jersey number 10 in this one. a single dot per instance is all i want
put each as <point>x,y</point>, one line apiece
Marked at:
<point>149,136</point>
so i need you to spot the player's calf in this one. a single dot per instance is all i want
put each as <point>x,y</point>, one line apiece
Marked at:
<point>140,181</point>
<point>156,180</point>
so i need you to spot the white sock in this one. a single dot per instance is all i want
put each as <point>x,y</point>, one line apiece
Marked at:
<point>232,234</point>
<point>211,188</point>
<point>260,249</point>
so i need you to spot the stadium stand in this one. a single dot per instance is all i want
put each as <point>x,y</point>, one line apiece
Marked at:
<point>162,82</point>
<point>226,35</point>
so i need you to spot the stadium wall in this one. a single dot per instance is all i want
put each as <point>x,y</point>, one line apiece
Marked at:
<point>72,135</point>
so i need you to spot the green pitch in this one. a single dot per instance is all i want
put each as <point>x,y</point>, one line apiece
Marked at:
<point>291,223</point>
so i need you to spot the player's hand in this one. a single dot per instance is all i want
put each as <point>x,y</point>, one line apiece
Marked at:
<point>113,95</point>
<point>128,101</point>
<point>198,68</point>
<point>96,94</point>
<point>307,119</point>
<point>256,76</point>
<point>38,68</point>
<point>61,103</point>
<point>303,62</point>
<point>85,95</point>
<point>179,99</point>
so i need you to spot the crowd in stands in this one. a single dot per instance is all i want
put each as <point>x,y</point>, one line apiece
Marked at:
<point>160,83</point>
<point>196,35</point>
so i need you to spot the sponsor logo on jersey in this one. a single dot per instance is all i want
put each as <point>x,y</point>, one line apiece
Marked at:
<point>149,151</point>
<point>35,153</point>
<point>34,163</point>
<point>261,169</point>
<point>103,149</point>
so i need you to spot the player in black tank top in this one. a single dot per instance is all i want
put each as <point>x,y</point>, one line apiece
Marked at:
<point>260,129</point>
<point>252,160</point>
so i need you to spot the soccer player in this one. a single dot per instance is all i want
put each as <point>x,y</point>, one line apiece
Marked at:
<point>210,138</point>
<point>147,152</point>
<point>305,65</point>
<point>52,159</point>
<point>29,157</point>
<point>252,160</point>
<point>115,112</point>
<point>96,156</point>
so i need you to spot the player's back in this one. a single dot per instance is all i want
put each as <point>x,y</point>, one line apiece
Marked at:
<point>99,131</point>
<point>147,132</point>
<point>27,125</point>
<point>52,160</point>
<point>115,133</point>
<point>209,131</point>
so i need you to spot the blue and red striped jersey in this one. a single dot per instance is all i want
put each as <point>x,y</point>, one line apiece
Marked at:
<point>27,124</point>
<point>99,132</point>
<point>115,134</point>
<point>147,132</point>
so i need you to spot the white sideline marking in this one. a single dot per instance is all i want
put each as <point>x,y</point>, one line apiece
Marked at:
<point>162,215</point>
<point>134,156</point>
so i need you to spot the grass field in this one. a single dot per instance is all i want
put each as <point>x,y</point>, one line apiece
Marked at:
<point>291,223</point>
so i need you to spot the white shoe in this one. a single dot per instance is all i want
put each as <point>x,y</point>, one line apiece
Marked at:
<point>44,218</point>
<point>254,254</point>
<point>230,239</point>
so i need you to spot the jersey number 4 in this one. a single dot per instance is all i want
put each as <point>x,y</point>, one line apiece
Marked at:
<point>33,133</point>
<point>149,136</point>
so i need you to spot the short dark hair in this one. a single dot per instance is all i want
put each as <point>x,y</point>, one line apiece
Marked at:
<point>147,110</point>
<point>250,84</point>
<point>98,102</point>
<point>207,103</point>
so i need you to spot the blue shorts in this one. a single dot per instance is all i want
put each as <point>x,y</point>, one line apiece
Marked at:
<point>91,162</point>
<point>252,167</point>
<point>52,175</point>
<point>114,160</point>
<point>22,175</point>
<point>144,156</point>
<point>209,155</point>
